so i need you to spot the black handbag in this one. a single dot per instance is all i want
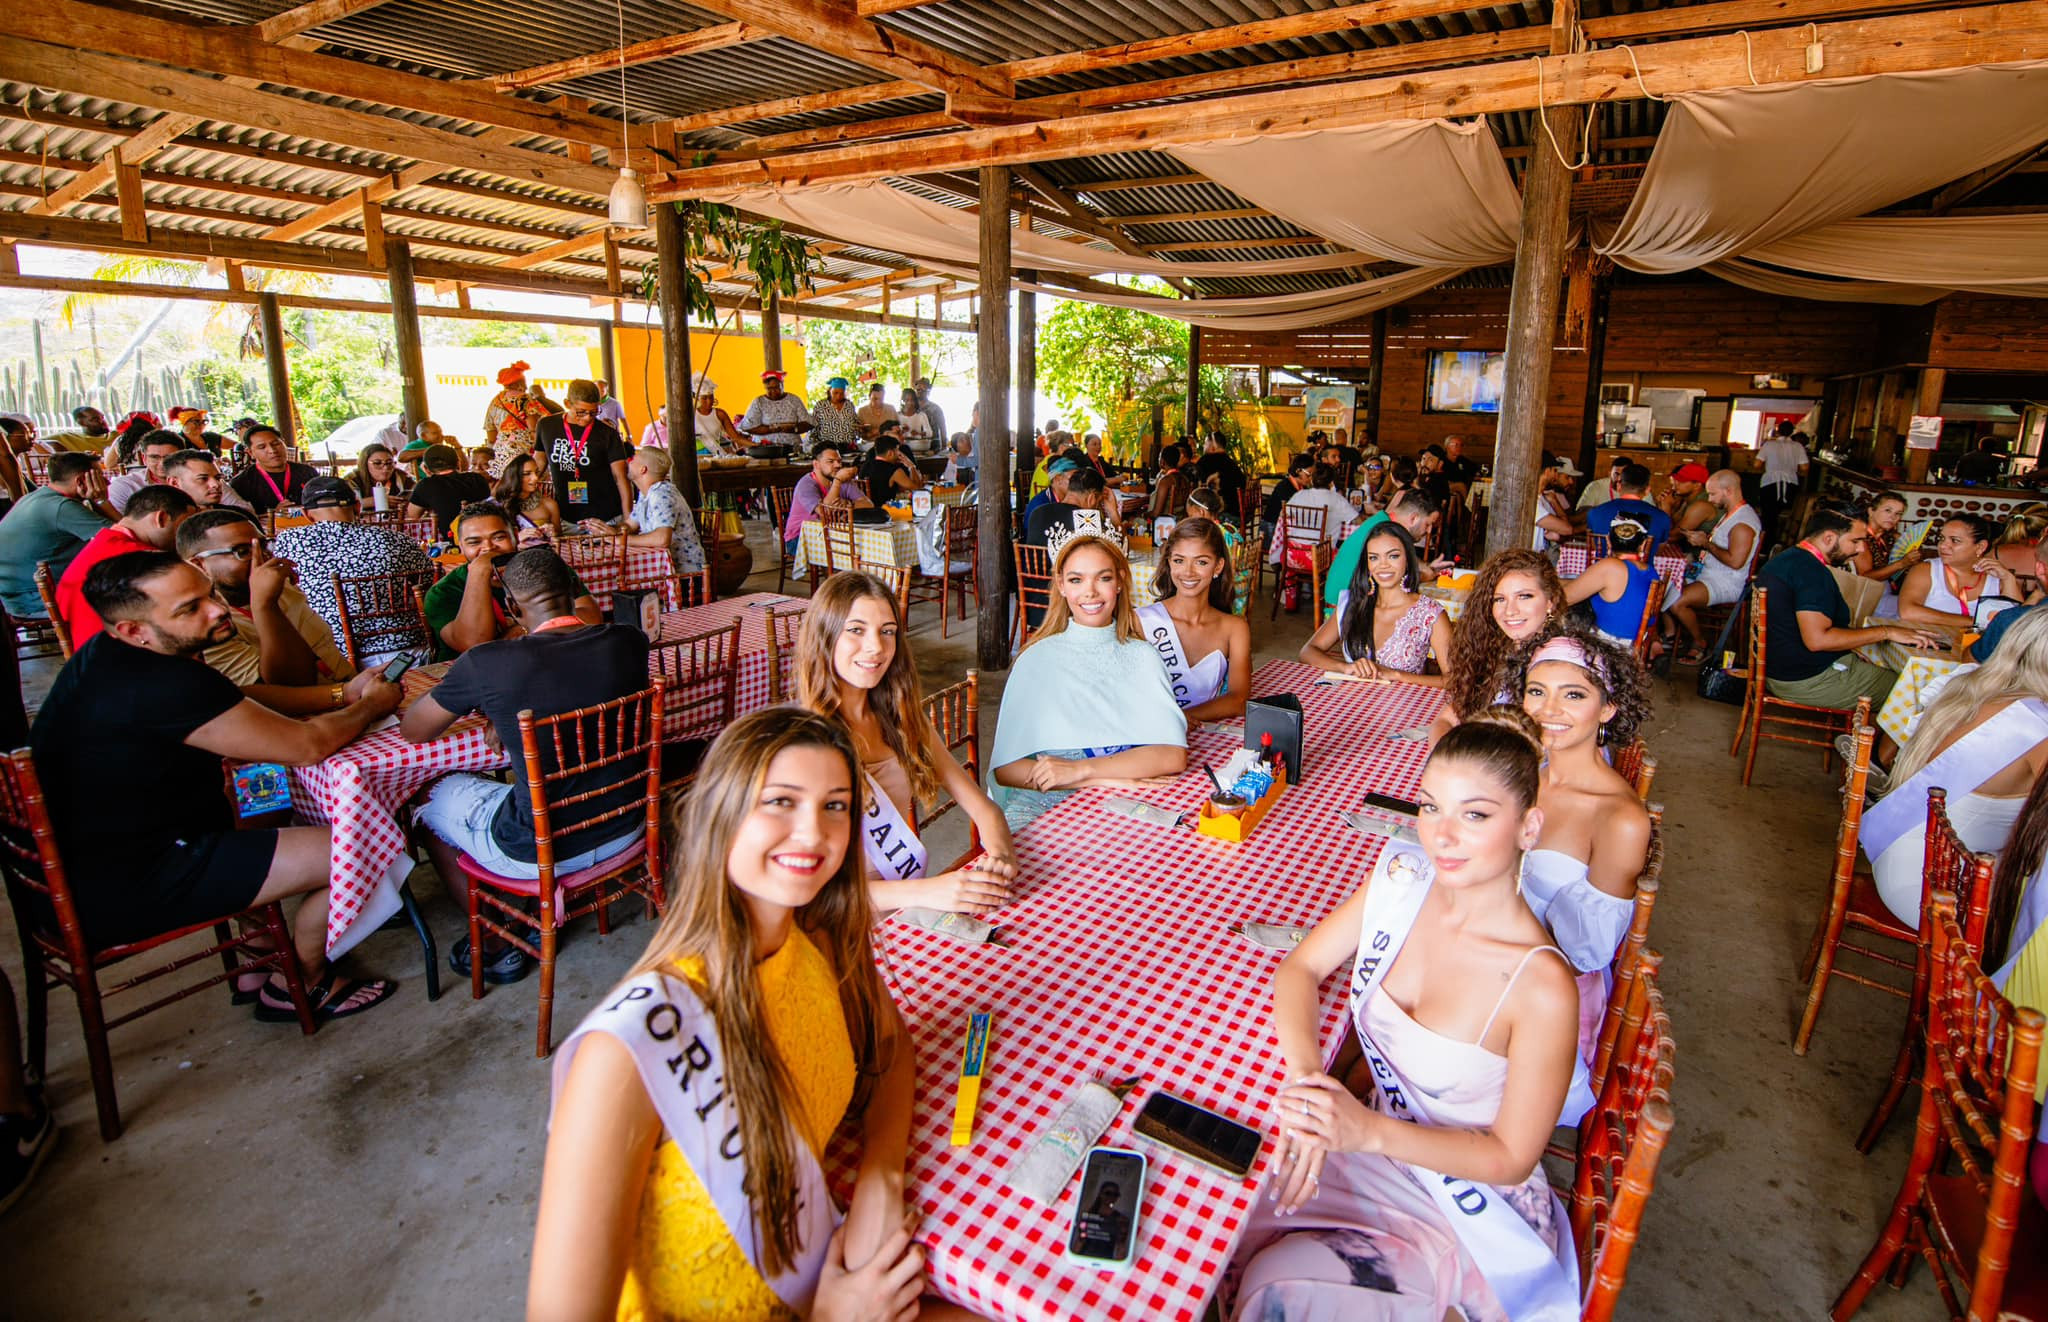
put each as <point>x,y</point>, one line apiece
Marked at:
<point>1715,683</point>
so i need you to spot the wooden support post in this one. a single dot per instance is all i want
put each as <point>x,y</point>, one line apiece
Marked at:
<point>938,314</point>
<point>608,358</point>
<point>10,260</point>
<point>1926,400</point>
<point>1027,370</point>
<point>771,333</point>
<point>675,334</point>
<point>128,190</point>
<point>1191,424</point>
<point>232,272</point>
<point>1596,367</point>
<point>405,323</point>
<point>280,374</point>
<point>1532,323</point>
<point>373,236</point>
<point>992,342</point>
<point>1376,372</point>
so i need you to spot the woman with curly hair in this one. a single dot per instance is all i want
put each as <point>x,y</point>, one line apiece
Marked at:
<point>1515,595</point>
<point>1587,696</point>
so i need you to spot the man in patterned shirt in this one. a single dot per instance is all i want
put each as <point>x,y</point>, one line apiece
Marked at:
<point>335,544</point>
<point>834,420</point>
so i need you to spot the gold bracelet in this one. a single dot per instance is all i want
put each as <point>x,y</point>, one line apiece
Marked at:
<point>337,695</point>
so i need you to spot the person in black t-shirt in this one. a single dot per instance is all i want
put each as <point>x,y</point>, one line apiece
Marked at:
<point>137,696</point>
<point>560,664</point>
<point>444,491</point>
<point>884,475</point>
<point>272,478</point>
<point>1301,472</point>
<point>586,458</point>
<point>1430,476</point>
<point>1458,470</point>
<point>1216,468</point>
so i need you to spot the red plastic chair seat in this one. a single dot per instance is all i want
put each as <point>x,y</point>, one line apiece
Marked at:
<point>1958,1216</point>
<point>564,881</point>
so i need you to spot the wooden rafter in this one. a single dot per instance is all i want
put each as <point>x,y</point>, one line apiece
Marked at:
<point>306,17</point>
<point>1214,245</point>
<point>1946,39</point>
<point>835,29</point>
<point>555,252</point>
<point>1128,185</point>
<point>239,53</point>
<point>1977,181</point>
<point>40,64</point>
<point>1176,217</point>
<point>716,37</point>
<point>1342,19</point>
<point>146,143</point>
<point>1079,217</point>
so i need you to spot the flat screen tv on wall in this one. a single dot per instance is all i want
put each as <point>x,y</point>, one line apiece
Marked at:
<point>1465,381</point>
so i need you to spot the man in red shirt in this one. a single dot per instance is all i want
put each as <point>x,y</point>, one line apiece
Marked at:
<point>149,524</point>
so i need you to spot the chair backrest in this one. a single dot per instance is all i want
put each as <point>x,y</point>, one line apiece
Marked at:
<point>1978,1094</point>
<point>778,502</point>
<point>1596,547</point>
<point>1635,765</point>
<point>1646,628</point>
<point>963,533</point>
<point>35,467</point>
<point>1619,1147</point>
<point>1855,788</point>
<point>1244,565</point>
<point>784,623</point>
<point>701,676</point>
<point>1302,524</point>
<point>1034,585</point>
<point>1952,866</point>
<point>835,522</point>
<point>36,883</point>
<point>894,577</point>
<point>614,751</point>
<point>1628,958</point>
<point>1759,602</point>
<point>681,592</point>
<point>46,588</point>
<point>954,712</point>
<point>383,612</point>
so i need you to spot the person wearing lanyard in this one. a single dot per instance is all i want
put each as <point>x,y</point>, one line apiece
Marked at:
<point>561,663</point>
<point>467,609</point>
<point>272,479</point>
<point>586,458</point>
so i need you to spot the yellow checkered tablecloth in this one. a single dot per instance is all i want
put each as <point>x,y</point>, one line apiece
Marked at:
<point>893,544</point>
<point>1919,673</point>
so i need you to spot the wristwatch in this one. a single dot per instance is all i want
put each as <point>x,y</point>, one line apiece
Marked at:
<point>337,696</point>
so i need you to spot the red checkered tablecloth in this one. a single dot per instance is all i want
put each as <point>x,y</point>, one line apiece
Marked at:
<point>644,564</point>
<point>1121,962</point>
<point>1571,562</point>
<point>358,790</point>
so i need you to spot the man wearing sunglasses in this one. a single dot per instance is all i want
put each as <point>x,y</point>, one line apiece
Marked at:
<point>282,654</point>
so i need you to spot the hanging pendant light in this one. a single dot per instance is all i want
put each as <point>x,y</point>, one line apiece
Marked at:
<point>628,203</point>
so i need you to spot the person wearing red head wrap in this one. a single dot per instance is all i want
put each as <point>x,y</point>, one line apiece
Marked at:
<point>510,420</point>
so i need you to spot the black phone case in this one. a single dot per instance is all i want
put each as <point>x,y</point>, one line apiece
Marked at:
<point>1199,1139</point>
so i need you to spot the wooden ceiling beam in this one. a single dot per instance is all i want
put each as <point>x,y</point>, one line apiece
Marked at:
<point>716,37</point>
<point>1734,15</point>
<point>146,143</point>
<point>555,252</point>
<point>835,29</point>
<point>1214,245</point>
<point>239,53</point>
<point>1127,185</point>
<point>1947,39</point>
<point>1173,217</point>
<point>1346,18</point>
<point>306,17</point>
<point>1079,217</point>
<point>1977,181</point>
<point>176,92</point>
<point>1349,64</point>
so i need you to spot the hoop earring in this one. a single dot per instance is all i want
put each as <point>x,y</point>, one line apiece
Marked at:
<point>1600,739</point>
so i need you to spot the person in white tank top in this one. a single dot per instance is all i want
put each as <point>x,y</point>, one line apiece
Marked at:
<point>1962,588</point>
<point>1469,1018</point>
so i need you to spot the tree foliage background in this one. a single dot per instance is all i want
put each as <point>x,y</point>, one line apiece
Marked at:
<point>861,353</point>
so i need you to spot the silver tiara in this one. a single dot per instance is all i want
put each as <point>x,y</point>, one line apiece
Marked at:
<point>1057,537</point>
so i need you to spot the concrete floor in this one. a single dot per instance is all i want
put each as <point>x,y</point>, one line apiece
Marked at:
<point>388,1167</point>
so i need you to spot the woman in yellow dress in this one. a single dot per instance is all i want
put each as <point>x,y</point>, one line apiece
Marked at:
<point>691,1108</point>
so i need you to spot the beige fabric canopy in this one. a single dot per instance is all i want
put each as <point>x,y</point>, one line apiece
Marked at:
<point>1272,312</point>
<point>1764,279</point>
<point>1740,169</point>
<point>1424,192</point>
<point>1989,254</point>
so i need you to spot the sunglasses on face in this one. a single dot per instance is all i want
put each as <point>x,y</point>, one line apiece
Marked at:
<point>240,551</point>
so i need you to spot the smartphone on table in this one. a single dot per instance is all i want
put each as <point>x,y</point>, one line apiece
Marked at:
<point>1388,803</point>
<point>1105,1229</point>
<point>1216,1141</point>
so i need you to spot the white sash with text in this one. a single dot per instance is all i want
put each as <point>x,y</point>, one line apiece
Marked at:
<point>893,849</point>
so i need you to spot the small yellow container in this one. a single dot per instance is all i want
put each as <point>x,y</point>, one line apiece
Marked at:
<point>1237,827</point>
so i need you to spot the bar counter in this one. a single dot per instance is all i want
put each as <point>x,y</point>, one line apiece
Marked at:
<point>1925,500</point>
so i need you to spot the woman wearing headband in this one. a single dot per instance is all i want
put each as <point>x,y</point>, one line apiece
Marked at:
<point>1429,1200</point>
<point>1587,696</point>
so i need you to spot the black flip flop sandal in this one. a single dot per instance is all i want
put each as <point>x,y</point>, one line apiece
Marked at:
<point>274,1006</point>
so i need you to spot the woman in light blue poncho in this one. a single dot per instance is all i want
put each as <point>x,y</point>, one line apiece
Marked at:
<point>1088,700</point>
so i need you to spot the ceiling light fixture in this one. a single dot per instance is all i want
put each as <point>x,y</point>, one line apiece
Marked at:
<point>628,203</point>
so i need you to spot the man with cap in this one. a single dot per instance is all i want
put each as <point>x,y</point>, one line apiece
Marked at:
<point>511,418</point>
<point>834,419</point>
<point>334,543</point>
<point>775,417</point>
<point>1686,504</point>
<point>875,412</point>
<point>443,488</point>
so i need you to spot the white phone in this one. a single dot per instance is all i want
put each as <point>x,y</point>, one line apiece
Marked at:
<point>1105,1229</point>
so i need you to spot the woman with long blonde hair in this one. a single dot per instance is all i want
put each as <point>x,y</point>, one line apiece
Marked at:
<point>692,1106</point>
<point>1985,739</point>
<point>854,664</point>
<point>1088,701</point>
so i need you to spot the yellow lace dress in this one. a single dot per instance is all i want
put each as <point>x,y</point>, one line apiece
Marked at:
<point>686,1264</point>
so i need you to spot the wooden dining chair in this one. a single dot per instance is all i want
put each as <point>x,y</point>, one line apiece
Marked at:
<point>613,751</point>
<point>1616,1167</point>
<point>1646,628</point>
<point>1034,587</point>
<point>1815,727</point>
<point>35,468</point>
<point>1300,526</point>
<point>50,630</point>
<point>1244,567</point>
<point>896,578</point>
<point>962,568</point>
<point>55,951</point>
<point>1635,765</point>
<point>700,674</point>
<point>835,526</point>
<point>383,613</point>
<point>1951,866</point>
<point>679,592</point>
<point>784,623</point>
<point>1964,1205</point>
<point>778,510</point>
<point>954,712</point>
<point>1853,906</point>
